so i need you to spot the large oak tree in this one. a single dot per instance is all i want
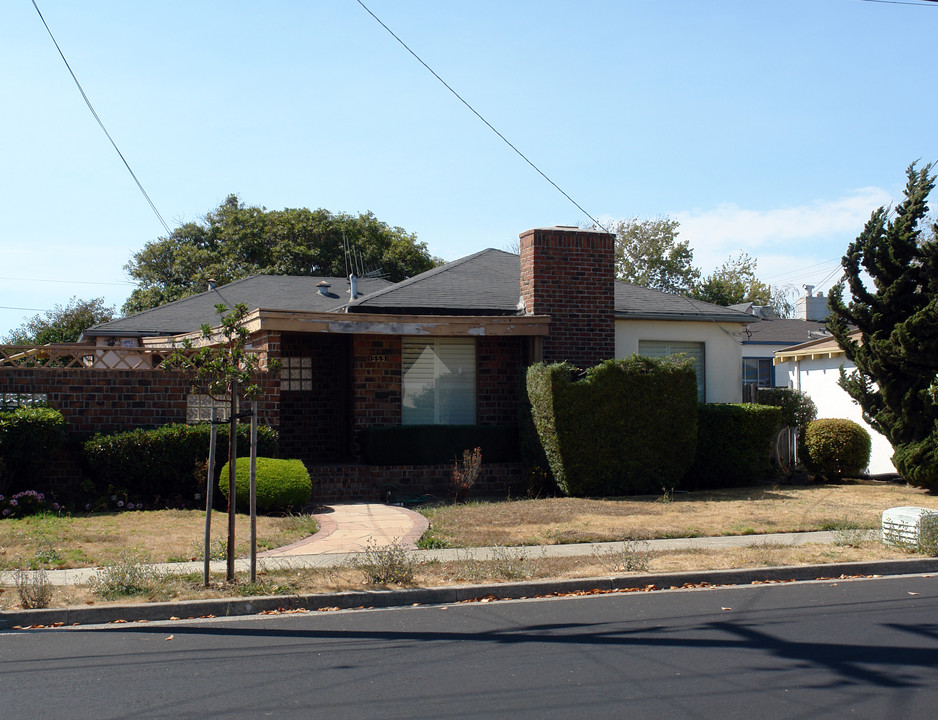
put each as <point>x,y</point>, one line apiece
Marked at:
<point>236,240</point>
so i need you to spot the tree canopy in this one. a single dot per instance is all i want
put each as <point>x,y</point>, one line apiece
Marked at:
<point>648,253</point>
<point>61,324</point>
<point>235,241</point>
<point>896,353</point>
<point>736,282</point>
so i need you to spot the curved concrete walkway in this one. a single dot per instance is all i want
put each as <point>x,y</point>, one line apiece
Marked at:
<point>354,527</point>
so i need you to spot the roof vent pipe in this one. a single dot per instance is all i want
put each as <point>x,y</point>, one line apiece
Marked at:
<point>808,289</point>
<point>353,286</point>
<point>323,288</point>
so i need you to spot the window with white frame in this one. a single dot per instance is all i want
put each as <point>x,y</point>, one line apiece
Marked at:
<point>439,381</point>
<point>692,350</point>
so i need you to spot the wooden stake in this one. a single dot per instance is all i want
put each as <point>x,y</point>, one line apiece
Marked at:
<point>209,489</point>
<point>254,491</point>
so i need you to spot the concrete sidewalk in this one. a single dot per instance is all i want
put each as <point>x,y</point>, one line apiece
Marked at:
<point>347,530</point>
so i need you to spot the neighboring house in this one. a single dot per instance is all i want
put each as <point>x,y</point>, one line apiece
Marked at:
<point>814,367</point>
<point>448,346</point>
<point>770,333</point>
<point>763,339</point>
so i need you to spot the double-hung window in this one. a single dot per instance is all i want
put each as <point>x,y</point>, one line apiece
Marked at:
<point>439,381</point>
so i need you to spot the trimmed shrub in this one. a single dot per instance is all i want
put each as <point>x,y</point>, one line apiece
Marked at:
<point>734,443</point>
<point>625,427</point>
<point>797,408</point>
<point>281,484</point>
<point>30,437</point>
<point>836,448</point>
<point>437,444</point>
<point>164,464</point>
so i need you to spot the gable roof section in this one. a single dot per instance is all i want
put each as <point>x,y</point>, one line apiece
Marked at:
<point>271,292</point>
<point>484,283</point>
<point>489,283</point>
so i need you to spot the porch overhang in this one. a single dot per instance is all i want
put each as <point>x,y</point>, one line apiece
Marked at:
<point>375,324</point>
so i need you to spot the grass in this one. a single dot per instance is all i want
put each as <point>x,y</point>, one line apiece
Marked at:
<point>849,509</point>
<point>739,511</point>
<point>49,541</point>
<point>530,564</point>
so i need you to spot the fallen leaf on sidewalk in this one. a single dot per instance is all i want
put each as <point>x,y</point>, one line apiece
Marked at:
<point>171,637</point>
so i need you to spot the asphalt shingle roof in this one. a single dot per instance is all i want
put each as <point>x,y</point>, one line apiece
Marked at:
<point>489,282</point>
<point>484,283</point>
<point>784,331</point>
<point>270,292</point>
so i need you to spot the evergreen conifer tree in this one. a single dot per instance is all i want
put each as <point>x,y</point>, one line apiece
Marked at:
<point>894,309</point>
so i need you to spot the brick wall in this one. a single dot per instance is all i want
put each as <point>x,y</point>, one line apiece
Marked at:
<point>104,400</point>
<point>376,380</point>
<point>342,483</point>
<point>568,274</point>
<point>499,367</point>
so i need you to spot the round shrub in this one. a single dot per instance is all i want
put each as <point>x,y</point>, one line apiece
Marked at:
<point>281,484</point>
<point>836,448</point>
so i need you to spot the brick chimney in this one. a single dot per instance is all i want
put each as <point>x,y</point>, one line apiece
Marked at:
<point>568,273</point>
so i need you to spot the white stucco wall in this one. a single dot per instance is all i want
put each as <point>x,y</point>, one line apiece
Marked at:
<point>723,357</point>
<point>818,378</point>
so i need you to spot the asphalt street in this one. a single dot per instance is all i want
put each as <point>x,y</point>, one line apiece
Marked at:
<point>832,649</point>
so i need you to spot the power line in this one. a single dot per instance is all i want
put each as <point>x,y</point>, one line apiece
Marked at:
<point>476,113</point>
<point>6,307</point>
<point>797,271</point>
<point>91,108</point>
<point>902,2</point>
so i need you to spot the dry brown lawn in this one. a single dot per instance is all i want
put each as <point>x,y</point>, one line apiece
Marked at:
<point>740,511</point>
<point>533,565</point>
<point>49,541</point>
<point>174,535</point>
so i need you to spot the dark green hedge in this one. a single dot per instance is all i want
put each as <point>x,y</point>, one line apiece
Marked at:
<point>158,465</point>
<point>624,427</point>
<point>733,445</point>
<point>30,437</point>
<point>437,444</point>
<point>281,484</point>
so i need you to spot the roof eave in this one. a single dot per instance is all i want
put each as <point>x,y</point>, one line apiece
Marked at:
<point>692,317</point>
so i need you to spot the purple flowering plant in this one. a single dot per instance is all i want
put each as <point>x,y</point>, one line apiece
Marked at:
<point>27,502</point>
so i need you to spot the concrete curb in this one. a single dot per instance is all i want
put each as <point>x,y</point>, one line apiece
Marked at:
<point>230,607</point>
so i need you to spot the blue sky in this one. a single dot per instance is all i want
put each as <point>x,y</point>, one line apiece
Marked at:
<point>769,127</point>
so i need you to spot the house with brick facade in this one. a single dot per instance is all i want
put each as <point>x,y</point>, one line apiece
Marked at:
<point>444,348</point>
